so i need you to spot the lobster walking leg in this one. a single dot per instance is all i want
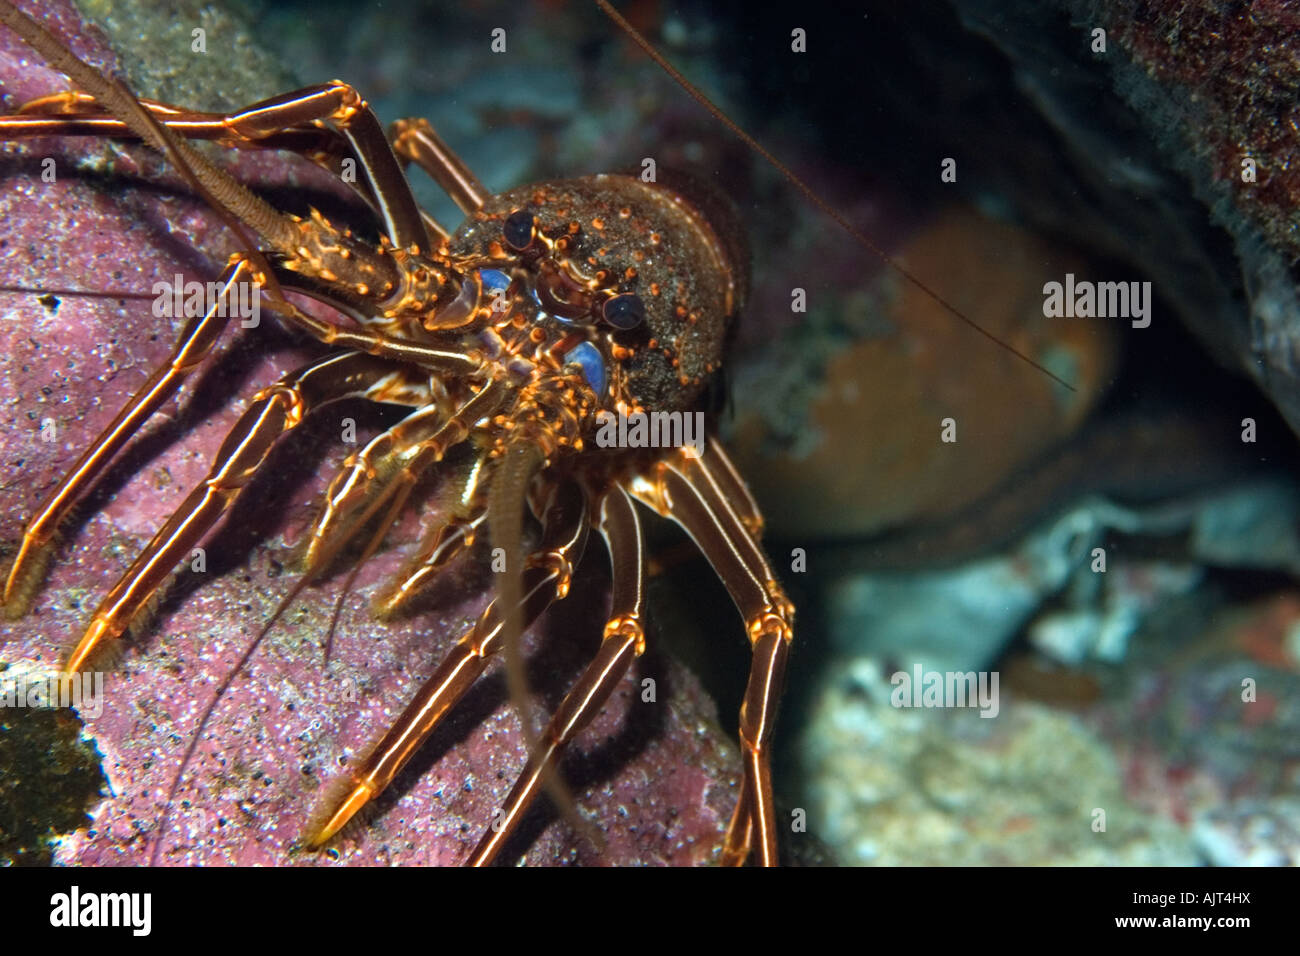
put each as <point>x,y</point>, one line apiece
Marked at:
<point>546,579</point>
<point>196,341</point>
<point>414,141</point>
<point>399,453</point>
<point>363,477</point>
<point>286,121</point>
<point>724,476</point>
<point>383,478</point>
<point>688,491</point>
<point>273,411</point>
<point>623,642</point>
<point>442,545</point>
<point>73,113</point>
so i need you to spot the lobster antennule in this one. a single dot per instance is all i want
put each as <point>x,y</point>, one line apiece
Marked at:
<point>522,460</point>
<point>506,503</point>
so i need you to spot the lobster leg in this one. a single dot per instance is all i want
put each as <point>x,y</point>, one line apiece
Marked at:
<point>278,122</point>
<point>732,487</point>
<point>73,113</point>
<point>385,477</point>
<point>442,545</point>
<point>414,141</point>
<point>274,410</point>
<point>196,341</point>
<point>623,642</point>
<point>283,122</point>
<point>363,476</point>
<point>310,247</point>
<point>416,442</point>
<point>446,361</point>
<point>689,491</point>
<point>546,580</point>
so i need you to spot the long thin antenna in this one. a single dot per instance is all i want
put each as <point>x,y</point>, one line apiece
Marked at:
<point>76,293</point>
<point>812,197</point>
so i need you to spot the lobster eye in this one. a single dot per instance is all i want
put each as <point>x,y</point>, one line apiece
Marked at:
<point>624,311</point>
<point>518,230</point>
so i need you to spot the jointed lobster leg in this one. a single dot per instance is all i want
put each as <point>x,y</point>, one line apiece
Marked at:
<point>757,719</point>
<point>274,410</point>
<point>196,341</point>
<point>414,141</point>
<point>384,476</point>
<point>278,122</point>
<point>623,642</point>
<point>546,579</point>
<point>307,247</point>
<point>73,113</point>
<point>442,545</point>
<point>366,473</point>
<point>446,361</point>
<point>732,488</point>
<point>687,490</point>
<point>289,121</point>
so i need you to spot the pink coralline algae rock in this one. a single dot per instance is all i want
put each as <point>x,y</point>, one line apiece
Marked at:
<point>658,779</point>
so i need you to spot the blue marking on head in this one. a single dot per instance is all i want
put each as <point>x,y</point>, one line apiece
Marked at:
<point>493,280</point>
<point>588,358</point>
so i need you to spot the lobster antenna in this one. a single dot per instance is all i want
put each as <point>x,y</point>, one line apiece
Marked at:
<point>194,743</point>
<point>858,236</point>
<point>76,293</point>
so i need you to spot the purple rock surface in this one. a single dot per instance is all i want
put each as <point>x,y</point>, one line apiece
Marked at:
<point>657,779</point>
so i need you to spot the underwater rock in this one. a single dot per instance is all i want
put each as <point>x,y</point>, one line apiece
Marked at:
<point>963,616</point>
<point>869,384</point>
<point>1266,834</point>
<point>1161,693</point>
<point>1204,718</point>
<point>1218,85</point>
<point>51,778</point>
<point>1189,747</point>
<point>1157,129</point>
<point>656,779</point>
<point>960,618</point>
<point>902,786</point>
